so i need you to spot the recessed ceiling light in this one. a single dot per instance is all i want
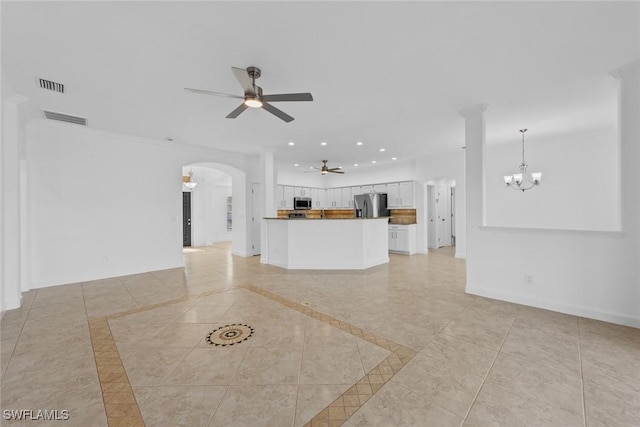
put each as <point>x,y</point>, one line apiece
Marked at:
<point>373,161</point>
<point>394,158</point>
<point>323,143</point>
<point>296,165</point>
<point>359,143</point>
<point>292,143</point>
<point>355,164</point>
<point>382,149</point>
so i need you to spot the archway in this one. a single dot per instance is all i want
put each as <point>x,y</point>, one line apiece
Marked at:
<point>219,206</point>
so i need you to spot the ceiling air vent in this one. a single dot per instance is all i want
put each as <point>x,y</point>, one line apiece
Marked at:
<point>51,115</point>
<point>51,85</point>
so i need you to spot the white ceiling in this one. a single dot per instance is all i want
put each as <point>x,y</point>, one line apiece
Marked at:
<point>390,74</point>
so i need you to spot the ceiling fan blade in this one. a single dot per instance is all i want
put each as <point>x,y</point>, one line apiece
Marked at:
<point>336,171</point>
<point>208,92</point>
<point>282,97</point>
<point>235,113</point>
<point>244,79</point>
<point>277,112</point>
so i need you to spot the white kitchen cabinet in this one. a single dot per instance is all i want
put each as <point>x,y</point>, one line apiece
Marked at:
<point>400,194</point>
<point>301,192</point>
<point>334,198</point>
<point>407,194</point>
<point>367,189</point>
<point>355,191</point>
<point>284,197</point>
<point>347,198</point>
<point>380,188</point>
<point>393,195</point>
<point>318,197</point>
<point>402,238</point>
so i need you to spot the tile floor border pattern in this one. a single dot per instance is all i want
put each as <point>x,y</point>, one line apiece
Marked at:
<point>120,405</point>
<point>119,402</point>
<point>339,411</point>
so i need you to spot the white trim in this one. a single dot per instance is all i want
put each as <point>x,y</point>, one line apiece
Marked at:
<point>585,233</point>
<point>461,255</point>
<point>241,253</point>
<point>107,275</point>
<point>562,308</point>
<point>11,303</point>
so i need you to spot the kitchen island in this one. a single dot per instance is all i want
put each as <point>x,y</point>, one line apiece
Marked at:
<point>325,244</point>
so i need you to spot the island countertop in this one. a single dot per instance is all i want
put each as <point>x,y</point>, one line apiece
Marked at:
<point>325,243</point>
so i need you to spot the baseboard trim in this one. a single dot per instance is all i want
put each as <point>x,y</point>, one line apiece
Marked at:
<point>561,308</point>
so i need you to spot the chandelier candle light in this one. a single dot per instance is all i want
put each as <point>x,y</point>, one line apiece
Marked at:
<point>523,181</point>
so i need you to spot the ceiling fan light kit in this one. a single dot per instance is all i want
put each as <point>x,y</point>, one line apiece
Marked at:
<point>326,169</point>
<point>253,97</point>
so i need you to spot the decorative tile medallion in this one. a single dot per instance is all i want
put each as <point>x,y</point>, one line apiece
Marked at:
<point>230,334</point>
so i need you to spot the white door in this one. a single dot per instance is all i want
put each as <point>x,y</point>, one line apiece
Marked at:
<point>256,218</point>
<point>432,241</point>
<point>443,212</point>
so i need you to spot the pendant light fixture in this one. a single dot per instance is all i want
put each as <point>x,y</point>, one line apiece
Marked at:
<point>188,181</point>
<point>523,181</point>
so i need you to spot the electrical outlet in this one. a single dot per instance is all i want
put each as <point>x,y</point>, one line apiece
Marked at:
<point>528,279</point>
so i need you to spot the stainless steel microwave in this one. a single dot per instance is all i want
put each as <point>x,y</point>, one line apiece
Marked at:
<point>302,203</point>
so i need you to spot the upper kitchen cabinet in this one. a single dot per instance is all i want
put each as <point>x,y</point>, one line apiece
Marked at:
<point>347,197</point>
<point>318,197</point>
<point>401,195</point>
<point>284,197</point>
<point>301,192</point>
<point>380,188</point>
<point>334,198</point>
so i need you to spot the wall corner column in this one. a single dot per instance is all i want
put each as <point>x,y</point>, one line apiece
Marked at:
<point>628,78</point>
<point>12,201</point>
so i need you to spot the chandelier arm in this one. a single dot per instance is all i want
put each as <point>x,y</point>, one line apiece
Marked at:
<point>522,187</point>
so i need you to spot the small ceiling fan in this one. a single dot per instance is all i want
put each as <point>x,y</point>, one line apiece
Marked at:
<point>253,97</point>
<point>326,169</point>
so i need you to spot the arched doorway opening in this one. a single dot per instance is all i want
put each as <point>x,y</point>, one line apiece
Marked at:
<point>218,206</point>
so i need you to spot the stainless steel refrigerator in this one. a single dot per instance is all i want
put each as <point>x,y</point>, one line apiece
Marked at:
<point>370,205</point>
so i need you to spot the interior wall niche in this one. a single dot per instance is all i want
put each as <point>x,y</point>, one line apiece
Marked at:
<point>579,189</point>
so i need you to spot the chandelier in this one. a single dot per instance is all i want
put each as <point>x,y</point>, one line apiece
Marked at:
<point>523,181</point>
<point>188,181</point>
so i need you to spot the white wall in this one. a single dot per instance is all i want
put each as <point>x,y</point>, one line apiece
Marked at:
<point>300,178</point>
<point>586,273</point>
<point>579,189</point>
<point>104,205</point>
<point>393,172</point>
<point>209,205</point>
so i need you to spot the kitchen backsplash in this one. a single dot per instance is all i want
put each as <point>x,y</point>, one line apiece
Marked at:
<point>403,216</point>
<point>398,216</point>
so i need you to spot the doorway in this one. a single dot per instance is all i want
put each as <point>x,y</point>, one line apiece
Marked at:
<point>186,218</point>
<point>440,213</point>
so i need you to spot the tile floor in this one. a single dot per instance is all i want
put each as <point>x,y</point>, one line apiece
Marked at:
<point>395,345</point>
